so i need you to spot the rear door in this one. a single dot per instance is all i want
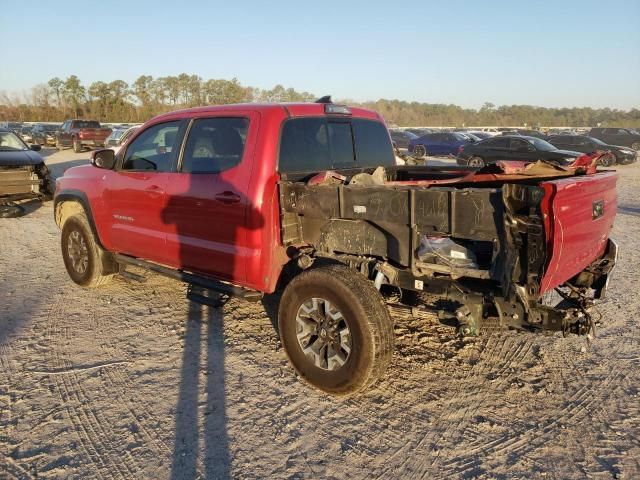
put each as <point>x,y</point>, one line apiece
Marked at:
<point>136,192</point>
<point>207,201</point>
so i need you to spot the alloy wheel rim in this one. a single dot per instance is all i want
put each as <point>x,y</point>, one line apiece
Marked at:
<point>78,252</point>
<point>323,334</point>
<point>475,162</point>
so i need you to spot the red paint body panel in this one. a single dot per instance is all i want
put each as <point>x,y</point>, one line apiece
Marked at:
<point>574,238</point>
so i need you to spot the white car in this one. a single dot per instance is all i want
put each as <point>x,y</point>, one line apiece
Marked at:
<point>119,137</point>
<point>491,131</point>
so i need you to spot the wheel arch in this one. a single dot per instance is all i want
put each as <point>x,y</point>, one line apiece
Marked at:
<point>70,202</point>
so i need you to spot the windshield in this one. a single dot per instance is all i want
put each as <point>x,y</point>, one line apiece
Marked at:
<point>541,144</point>
<point>86,124</point>
<point>9,142</point>
<point>49,128</point>
<point>597,142</point>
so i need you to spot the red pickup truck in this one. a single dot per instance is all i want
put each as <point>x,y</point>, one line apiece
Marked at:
<point>307,200</point>
<point>80,134</point>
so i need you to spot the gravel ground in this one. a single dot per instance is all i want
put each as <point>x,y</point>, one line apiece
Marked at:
<point>131,381</point>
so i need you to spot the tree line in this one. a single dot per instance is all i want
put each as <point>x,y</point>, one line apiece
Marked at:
<point>119,101</point>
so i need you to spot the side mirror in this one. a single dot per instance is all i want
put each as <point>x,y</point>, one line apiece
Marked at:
<point>35,147</point>
<point>105,158</point>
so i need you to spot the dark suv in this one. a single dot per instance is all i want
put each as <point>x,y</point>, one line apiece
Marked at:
<point>626,137</point>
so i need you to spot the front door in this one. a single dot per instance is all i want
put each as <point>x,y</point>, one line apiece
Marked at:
<point>136,192</point>
<point>208,200</point>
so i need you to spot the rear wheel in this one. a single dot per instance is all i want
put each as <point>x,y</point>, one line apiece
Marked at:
<point>419,151</point>
<point>475,162</point>
<point>81,253</point>
<point>636,146</point>
<point>607,160</point>
<point>77,146</point>
<point>335,329</point>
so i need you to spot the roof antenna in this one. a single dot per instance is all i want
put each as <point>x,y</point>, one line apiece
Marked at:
<point>325,99</point>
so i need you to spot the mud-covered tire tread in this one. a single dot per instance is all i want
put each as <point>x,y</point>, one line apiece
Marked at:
<point>377,319</point>
<point>96,278</point>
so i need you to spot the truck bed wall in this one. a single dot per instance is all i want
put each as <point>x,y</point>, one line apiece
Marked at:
<point>381,220</point>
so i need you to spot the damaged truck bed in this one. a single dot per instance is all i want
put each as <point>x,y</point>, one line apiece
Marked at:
<point>494,241</point>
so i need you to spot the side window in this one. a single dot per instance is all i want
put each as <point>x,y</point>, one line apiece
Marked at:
<point>517,144</point>
<point>214,144</point>
<point>498,143</point>
<point>154,149</point>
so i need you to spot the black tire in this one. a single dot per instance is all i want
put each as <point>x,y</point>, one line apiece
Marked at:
<point>476,161</point>
<point>370,329</point>
<point>419,151</point>
<point>608,160</point>
<point>59,146</point>
<point>77,146</point>
<point>76,229</point>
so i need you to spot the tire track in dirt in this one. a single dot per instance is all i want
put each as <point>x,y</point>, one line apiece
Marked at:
<point>117,381</point>
<point>94,433</point>
<point>585,401</point>
<point>498,354</point>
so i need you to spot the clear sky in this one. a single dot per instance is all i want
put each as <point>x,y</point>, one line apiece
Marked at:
<point>547,53</point>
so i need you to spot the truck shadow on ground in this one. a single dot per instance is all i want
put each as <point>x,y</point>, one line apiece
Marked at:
<point>204,335</point>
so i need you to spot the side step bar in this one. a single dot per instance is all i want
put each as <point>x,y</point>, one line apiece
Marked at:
<point>192,279</point>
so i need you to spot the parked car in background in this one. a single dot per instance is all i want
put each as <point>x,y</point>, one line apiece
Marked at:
<point>480,134</point>
<point>401,138</point>
<point>80,134</point>
<point>491,131</point>
<point>513,147</point>
<point>116,143</point>
<point>442,143</point>
<point>44,134</point>
<point>525,132</point>
<point>15,127</point>
<point>418,132</point>
<point>625,137</point>
<point>23,173</point>
<point>586,144</point>
<point>471,136</point>
<point>25,133</point>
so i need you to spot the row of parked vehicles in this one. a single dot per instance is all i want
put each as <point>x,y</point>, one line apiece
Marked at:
<point>78,134</point>
<point>478,148</point>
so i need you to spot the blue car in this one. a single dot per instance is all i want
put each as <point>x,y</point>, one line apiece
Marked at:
<point>443,143</point>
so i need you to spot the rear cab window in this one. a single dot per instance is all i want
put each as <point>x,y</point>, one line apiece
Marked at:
<point>326,143</point>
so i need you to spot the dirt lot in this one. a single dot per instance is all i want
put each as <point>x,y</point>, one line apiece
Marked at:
<point>131,381</point>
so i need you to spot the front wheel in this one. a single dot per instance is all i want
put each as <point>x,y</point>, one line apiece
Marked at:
<point>59,146</point>
<point>81,253</point>
<point>335,329</point>
<point>77,146</point>
<point>475,162</point>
